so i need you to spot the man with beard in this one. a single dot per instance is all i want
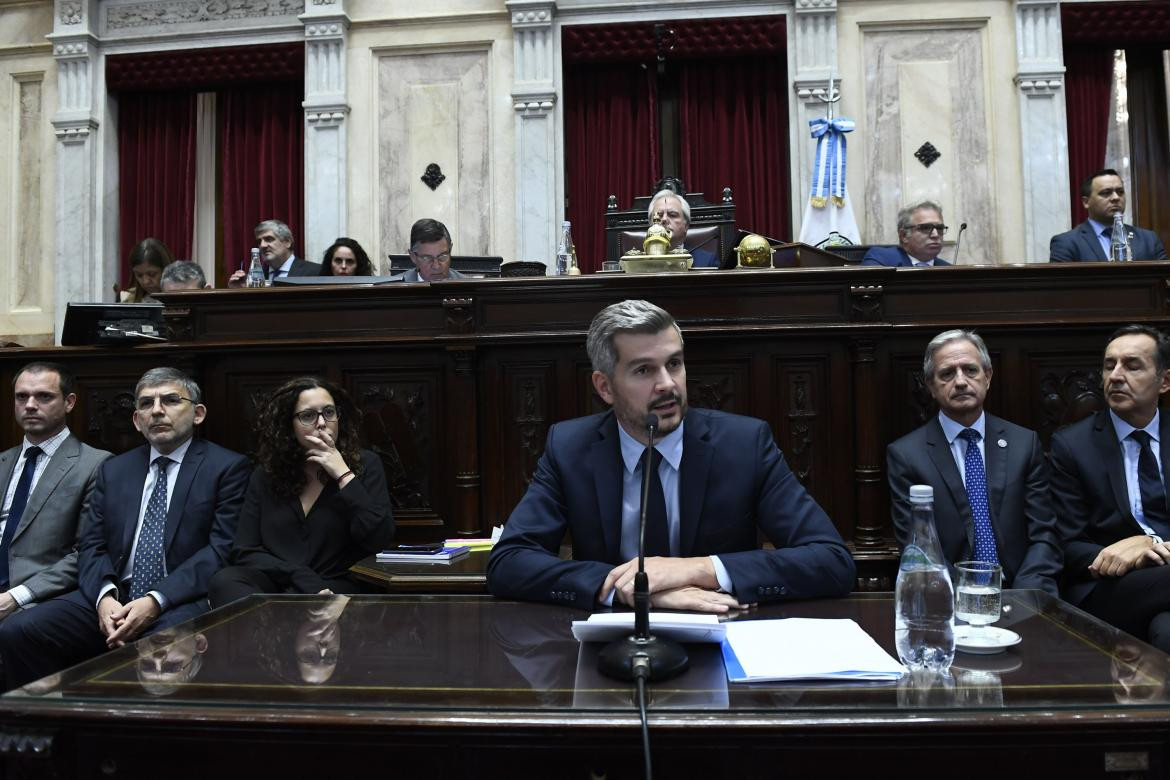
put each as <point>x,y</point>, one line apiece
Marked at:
<point>718,482</point>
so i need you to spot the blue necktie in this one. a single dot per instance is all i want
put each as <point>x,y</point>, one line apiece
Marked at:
<point>657,530</point>
<point>148,556</point>
<point>19,501</point>
<point>976,480</point>
<point>1150,485</point>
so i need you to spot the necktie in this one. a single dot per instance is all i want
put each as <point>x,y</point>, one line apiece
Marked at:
<point>657,533</point>
<point>1150,484</point>
<point>19,501</point>
<point>148,556</point>
<point>976,479</point>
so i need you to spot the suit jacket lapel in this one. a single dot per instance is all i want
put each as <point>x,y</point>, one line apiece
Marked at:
<point>191,462</point>
<point>605,458</point>
<point>1163,451</point>
<point>64,459</point>
<point>995,459</point>
<point>1088,238</point>
<point>940,453</point>
<point>126,497</point>
<point>8,460</point>
<point>692,479</point>
<point>1109,450</point>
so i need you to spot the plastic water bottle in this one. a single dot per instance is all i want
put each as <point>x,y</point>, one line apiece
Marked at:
<point>255,270</point>
<point>565,250</point>
<point>1119,249</point>
<point>924,600</point>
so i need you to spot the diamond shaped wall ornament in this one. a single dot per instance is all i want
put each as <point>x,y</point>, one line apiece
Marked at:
<point>927,154</point>
<point>433,176</point>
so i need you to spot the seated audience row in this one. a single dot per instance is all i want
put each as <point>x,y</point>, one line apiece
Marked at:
<point>130,544</point>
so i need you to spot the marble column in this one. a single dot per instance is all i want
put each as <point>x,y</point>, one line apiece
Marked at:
<point>534,96</point>
<point>1043,127</point>
<point>815,42</point>
<point>83,273</point>
<point>326,109</point>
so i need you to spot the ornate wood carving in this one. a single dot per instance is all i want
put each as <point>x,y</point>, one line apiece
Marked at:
<point>460,315</point>
<point>865,302</point>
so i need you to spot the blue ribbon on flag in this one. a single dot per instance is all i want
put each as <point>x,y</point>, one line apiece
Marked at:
<point>828,182</point>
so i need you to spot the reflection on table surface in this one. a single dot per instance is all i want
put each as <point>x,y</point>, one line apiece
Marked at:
<point>477,653</point>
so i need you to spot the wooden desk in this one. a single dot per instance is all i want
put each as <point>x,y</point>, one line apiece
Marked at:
<point>448,686</point>
<point>459,381</point>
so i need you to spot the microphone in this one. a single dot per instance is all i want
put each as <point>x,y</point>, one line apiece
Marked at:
<point>958,243</point>
<point>643,656</point>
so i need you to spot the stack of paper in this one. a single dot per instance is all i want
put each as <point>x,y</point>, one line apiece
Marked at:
<point>804,649</point>
<point>679,626</point>
<point>446,555</point>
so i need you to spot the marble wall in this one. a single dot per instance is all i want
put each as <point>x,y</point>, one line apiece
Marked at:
<point>27,235</point>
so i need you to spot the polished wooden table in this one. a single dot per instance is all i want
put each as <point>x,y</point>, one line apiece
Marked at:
<point>464,686</point>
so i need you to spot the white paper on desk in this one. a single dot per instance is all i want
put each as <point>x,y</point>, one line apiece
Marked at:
<point>804,649</point>
<point>607,626</point>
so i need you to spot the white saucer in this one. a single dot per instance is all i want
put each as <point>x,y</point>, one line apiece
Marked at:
<point>989,640</point>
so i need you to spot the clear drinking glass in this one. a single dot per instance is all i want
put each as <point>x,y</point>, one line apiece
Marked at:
<point>978,595</point>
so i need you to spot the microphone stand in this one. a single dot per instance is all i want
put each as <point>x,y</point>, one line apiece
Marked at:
<point>643,656</point>
<point>959,243</point>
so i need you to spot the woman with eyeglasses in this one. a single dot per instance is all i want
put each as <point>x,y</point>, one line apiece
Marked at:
<point>317,503</point>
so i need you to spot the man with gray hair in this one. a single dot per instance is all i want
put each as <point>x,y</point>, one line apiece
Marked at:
<point>184,275</point>
<point>990,477</point>
<point>719,480</point>
<point>430,251</point>
<point>920,236</point>
<point>276,243</point>
<point>674,213</point>
<point>161,521</point>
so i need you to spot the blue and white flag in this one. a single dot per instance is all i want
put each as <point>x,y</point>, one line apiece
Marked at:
<point>828,210</point>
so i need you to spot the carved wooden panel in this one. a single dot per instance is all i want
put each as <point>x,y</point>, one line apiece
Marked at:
<point>1066,388</point>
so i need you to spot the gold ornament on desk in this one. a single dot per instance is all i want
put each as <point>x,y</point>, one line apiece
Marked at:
<point>656,256</point>
<point>754,251</point>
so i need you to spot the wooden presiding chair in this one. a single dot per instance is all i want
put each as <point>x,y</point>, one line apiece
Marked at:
<point>712,226</point>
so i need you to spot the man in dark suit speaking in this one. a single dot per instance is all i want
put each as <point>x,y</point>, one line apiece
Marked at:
<point>160,523</point>
<point>1103,195</point>
<point>719,480</point>
<point>1109,478</point>
<point>989,476</point>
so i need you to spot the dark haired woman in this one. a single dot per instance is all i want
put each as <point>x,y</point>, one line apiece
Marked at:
<point>316,504</point>
<point>346,258</point>
<point>147,261</point>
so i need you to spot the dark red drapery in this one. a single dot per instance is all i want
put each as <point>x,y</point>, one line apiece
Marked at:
<point>611,146</point>
<point>156,172</point>
<point>1088,78</point>
<point>733,127</point>
<point>262,147</point>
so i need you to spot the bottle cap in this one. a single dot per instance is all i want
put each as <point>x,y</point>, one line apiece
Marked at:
<point>921,494</point>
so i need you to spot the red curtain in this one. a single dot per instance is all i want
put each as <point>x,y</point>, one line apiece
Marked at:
<point>156,171</point>
<point>611,146</point>
<point>734,133</point>
<point>262,147</point>
<point>1088,78</point>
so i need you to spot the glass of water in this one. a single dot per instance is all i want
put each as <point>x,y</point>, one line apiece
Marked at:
<point>978,595</point>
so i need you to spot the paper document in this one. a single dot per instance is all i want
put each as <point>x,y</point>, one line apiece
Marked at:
<point>607,626</point>
<point>804,649</point>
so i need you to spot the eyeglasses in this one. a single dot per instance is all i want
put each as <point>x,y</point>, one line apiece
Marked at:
<point>440,259</point>
<point>929,227</point>
<point>170,401</point>
<point>308,417</point>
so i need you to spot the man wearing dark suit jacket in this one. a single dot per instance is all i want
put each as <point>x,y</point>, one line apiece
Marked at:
<point>996,509</point>
<point>920,236</point>
<point>44,485</point>
<point>1103,195</point>
<point>276,243</point>
<point>1109,478</point>
<point>161,521</point>
<point>720,480</point>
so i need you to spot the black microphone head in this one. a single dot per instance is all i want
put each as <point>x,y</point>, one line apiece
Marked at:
<point>963,226</point>
<point>651,422</point>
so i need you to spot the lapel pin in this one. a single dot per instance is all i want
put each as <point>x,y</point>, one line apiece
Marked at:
<point>1001,443</point>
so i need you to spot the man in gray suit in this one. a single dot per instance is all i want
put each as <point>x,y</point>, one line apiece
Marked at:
<point>989,476</point>
<point>44,483</point>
